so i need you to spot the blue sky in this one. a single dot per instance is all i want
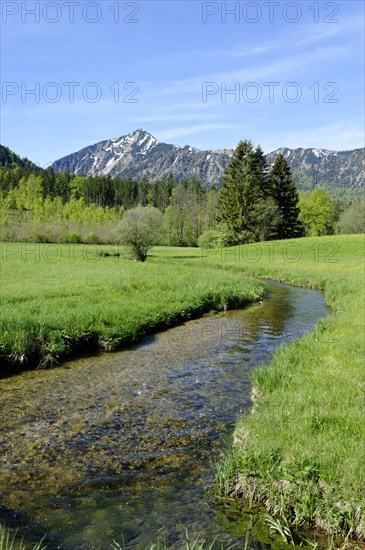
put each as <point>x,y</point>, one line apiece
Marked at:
<point>207,74</point>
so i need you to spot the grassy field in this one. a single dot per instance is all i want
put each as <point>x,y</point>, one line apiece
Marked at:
<point>57,300</point>
<point>301,454</point>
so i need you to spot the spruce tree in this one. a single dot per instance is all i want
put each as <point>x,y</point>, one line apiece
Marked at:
<point>243,187</point>
<point>285,194</point>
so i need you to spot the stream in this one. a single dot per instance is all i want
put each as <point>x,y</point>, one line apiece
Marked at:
<point>121,446</point>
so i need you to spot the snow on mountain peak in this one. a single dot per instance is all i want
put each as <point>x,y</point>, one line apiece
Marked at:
<point>139,154</point>
<point>323,152</point>
<point>142,139</point>
<point>138,138</point>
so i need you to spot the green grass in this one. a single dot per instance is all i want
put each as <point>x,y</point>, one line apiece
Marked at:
<point>301,454</point>
<point>198,543</point>
<point>57,300</point>
<point>11,541</point>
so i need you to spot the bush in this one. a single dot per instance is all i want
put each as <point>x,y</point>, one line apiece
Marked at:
<point>91,238</point>
<point>353,219</point>
<point>140,229</point>
<point>73,237</point>
<point>37,237</point>
<point>210,239</point>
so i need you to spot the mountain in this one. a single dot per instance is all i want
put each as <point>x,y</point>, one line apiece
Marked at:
<point>9,159</point>
<point>139,154</point>
<point>322,168</point>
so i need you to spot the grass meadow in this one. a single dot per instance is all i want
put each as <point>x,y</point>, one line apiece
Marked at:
<point>301,452</point>
<point>58,300</point>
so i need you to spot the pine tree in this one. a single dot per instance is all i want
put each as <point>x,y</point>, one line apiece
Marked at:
<point>285,194</point>
<point>244,184</point>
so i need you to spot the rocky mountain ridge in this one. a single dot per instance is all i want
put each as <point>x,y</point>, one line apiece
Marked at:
<point>140,154</point>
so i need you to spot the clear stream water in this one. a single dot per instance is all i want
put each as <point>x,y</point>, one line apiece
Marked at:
<point>121,445</point>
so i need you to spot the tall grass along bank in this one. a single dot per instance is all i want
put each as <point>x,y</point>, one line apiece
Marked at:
<point>301,453</point>
<point>57,300</point>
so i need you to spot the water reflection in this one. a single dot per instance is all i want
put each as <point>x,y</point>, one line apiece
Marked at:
<point>122,444</point>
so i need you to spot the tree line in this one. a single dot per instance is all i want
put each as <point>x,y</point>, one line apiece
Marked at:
<point>48,206</point>
<point>255,202</point>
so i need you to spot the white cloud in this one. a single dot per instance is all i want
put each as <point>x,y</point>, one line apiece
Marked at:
<point>283,69</point>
